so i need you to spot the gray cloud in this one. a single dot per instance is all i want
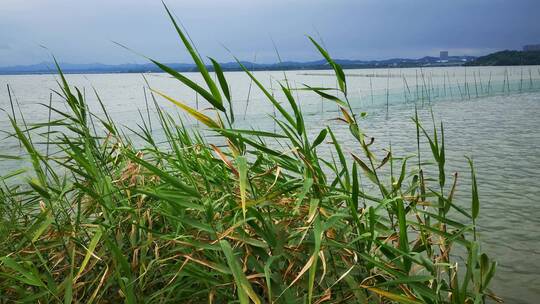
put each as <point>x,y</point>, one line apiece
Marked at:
<point>82,31</point>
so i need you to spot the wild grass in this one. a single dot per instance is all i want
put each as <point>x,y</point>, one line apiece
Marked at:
<point>102,221</point>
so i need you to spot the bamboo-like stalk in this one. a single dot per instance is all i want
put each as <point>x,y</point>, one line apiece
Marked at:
<point>147,109</point>
<point>11,104</point>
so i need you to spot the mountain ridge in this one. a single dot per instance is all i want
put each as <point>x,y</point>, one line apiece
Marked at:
<point>507,58</point>
<point>49,67</point>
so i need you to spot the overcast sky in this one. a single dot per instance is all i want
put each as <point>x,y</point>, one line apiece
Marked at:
<point>81,31</point>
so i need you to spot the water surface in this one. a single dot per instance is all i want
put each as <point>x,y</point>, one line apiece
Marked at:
<point>500,132</point>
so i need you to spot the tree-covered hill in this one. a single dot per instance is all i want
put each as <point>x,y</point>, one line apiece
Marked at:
<point>508,58</point>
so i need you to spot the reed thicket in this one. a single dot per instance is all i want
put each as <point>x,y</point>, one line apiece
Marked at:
<point>101,220</point>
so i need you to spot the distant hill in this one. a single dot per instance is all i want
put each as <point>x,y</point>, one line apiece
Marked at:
<point>49,68</point>
<point>508,58</point>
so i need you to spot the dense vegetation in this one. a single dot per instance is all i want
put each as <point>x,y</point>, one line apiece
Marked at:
<point>103,221</point>
<point>507,58</point>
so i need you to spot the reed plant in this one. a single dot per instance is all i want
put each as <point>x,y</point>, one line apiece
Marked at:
<point>102,220</point>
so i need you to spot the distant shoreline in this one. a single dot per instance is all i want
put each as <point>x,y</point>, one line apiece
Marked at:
<point>49,68</point>
<point>503,58</point>
<point>225,70</point>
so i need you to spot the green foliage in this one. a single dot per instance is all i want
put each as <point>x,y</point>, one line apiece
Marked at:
<point>104,221</point>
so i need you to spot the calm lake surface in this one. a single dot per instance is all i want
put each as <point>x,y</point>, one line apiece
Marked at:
<point>499,129</point>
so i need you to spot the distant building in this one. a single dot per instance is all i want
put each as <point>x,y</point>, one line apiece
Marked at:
<point>443,55</point>
<point>531,47</point>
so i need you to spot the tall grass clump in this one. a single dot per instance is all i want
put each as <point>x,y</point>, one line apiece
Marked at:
<point>100,220</point>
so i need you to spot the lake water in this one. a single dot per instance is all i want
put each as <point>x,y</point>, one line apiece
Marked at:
<point>490,113</point>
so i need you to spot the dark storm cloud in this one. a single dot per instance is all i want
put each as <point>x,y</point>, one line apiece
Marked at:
<point>82,31</point>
